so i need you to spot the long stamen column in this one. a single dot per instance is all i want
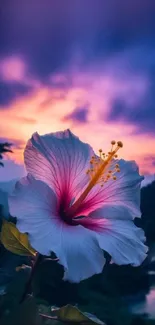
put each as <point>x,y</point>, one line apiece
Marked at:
<point>98,173</point>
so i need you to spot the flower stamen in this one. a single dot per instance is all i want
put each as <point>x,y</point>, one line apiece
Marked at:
<point>98,173</point>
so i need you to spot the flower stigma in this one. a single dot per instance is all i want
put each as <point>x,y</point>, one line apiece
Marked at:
<point>98,173</point>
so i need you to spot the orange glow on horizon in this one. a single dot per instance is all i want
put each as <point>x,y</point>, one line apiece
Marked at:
<point>43,110</point>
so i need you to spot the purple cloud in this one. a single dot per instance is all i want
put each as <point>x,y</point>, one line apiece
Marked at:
<point>10,91</point>
<point>150,160</point>
<point>141,115</point>
<point>79,115</point>
<point>49,34</point>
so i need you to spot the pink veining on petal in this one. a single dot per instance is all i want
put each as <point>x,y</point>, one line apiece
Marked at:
<point>125,192</point>
<point>97,225</point>
<point>60,160</point>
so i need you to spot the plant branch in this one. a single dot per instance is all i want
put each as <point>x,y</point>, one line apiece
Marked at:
<point>28,285</point>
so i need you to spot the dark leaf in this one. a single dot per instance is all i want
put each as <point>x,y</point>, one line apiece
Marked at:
<point>24,314</point>
<point>14,291</point>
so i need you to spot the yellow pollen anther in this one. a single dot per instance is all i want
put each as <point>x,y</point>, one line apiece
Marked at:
<point>118,170</point>
<point>117,166</point>
<point>100,150</point>
<point>120,144</point>
<point>115,156</point>
<point>114,178</point>
<point>113,142</point>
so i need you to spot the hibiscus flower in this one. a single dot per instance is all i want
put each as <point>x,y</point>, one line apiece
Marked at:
<point>78,204</point>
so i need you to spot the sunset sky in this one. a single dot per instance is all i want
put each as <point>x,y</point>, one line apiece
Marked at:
<point>87,65</point>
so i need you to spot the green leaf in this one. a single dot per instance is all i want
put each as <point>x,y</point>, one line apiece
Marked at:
<point>14,241</point>
<point>73,314</point>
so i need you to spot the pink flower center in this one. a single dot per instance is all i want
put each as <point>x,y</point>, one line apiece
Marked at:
<point>98,174</point>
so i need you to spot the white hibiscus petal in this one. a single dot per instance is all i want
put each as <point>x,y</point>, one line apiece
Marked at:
<point>117,211</point>
<point>35,206</point>
<point>124,242</point>
<point>59,159</point>
<point>117,199</point>
<point>32,202</point>
<point>75,246</point>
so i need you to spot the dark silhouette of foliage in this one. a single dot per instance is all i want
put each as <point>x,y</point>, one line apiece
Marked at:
<point>148,211</point>
<point>4,148</point>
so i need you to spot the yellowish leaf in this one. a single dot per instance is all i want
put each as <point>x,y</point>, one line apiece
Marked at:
<point>14,241</point>
<point>73,314</point>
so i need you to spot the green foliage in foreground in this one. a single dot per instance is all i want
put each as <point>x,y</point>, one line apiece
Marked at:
<point>99,295</point>
<point>49,290</point>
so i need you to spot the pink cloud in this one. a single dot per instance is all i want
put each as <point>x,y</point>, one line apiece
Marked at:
<point>12,68</point>
<point>44,110</point>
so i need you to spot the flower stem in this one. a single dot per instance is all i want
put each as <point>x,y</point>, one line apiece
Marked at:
<point>28,285</point>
